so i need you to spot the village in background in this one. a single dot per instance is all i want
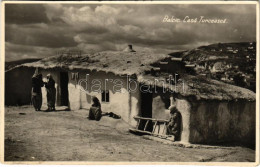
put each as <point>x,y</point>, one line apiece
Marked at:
<point>233,63</point>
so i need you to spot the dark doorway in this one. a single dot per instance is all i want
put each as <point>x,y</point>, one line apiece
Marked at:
<point>64,94</point>
<point>146,109</point>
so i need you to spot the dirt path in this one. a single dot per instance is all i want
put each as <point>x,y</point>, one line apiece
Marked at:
<point>69,136</point>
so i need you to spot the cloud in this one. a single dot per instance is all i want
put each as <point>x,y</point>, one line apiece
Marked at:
<point>25,14</point>
<point>41,35</point>
<point>16,51</point>
<point>139,24</point>
<point>111,27</point>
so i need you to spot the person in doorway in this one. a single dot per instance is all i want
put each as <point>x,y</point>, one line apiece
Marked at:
<point>174,125</point>
<point>37,83</point>
<point>51,93</point>
<point>95,112</point>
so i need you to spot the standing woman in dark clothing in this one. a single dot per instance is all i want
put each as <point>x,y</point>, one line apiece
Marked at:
<point>37,85</point>
<point>95,112</point>
<point>51,93</point>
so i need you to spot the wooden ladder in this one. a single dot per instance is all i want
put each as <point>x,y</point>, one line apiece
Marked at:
<point>155,122</point>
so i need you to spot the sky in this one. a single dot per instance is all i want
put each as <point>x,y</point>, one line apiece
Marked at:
<point>42,30</point>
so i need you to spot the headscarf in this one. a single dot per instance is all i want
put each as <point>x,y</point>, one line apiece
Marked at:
<point>49,76</point>
<point>173,109</point>
<point>95,99</point>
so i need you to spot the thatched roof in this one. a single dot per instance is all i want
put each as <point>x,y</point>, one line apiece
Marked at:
<point>202,88</point>
<point>130,63</point>
<point>118,62</point>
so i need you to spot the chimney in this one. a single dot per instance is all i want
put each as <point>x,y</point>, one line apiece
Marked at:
<point>129,49</point>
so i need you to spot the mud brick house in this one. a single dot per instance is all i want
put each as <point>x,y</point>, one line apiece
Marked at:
<point>131,83</point>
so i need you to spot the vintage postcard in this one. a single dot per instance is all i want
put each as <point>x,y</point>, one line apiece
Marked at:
<point>130,83</point>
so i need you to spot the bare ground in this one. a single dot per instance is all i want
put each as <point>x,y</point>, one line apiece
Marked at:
<point>69,136</point>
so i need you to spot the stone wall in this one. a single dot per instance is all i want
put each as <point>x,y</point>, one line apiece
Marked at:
<point>222,122</point>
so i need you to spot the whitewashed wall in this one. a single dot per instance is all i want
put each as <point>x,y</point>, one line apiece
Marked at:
<point>124,104</point>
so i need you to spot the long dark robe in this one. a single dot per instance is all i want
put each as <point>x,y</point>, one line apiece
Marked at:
<point>174,126</point>
<point>51,93</point>
<point>37,83</point>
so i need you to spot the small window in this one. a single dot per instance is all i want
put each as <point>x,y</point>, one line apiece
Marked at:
<point>105,96</point>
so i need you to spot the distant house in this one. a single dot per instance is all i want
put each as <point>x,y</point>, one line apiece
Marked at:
<point>223,78</point>
<point>236,66</point>
<point>235,51</point>
<point>200,67</point>
<point>212,57</point>
<point>229,65</point>
<point>229,47</point>
<point>217,67</point>
<point>212,111</point>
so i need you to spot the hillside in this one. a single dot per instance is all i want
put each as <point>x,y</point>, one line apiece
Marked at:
<point>11,64</point>
<point>233,63</point>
